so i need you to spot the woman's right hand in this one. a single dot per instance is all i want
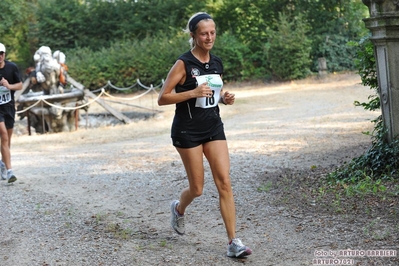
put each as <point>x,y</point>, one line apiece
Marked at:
<point>203,90</point>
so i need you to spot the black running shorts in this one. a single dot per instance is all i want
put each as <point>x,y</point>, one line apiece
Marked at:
<point>7,115</point>
<point>186,143</point>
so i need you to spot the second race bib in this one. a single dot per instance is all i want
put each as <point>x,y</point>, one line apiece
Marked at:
<point>5,95</point>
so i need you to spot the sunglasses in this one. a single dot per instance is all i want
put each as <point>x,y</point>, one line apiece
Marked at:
<point>1,53</point>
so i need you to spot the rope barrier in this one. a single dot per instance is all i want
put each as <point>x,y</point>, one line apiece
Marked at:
<point>132,98</point>
<point>102,89</point>
<point>60,107</point>
<point>121,89</point>
<point>138,82</point>
<point>76,107</point>
<point>28,108</point>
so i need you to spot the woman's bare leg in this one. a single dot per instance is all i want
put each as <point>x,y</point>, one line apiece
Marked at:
<point>194,164</point>
<point>217,155</point>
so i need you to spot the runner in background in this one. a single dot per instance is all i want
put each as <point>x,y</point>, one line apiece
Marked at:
<point>10,81</point>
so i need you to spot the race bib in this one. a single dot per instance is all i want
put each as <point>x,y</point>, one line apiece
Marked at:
<point>215,82</point>
<point>5,95</point>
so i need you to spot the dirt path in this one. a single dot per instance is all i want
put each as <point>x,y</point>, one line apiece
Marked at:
<point>101,196</point>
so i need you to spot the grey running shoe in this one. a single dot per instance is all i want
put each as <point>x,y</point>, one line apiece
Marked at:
<point>3,170</point>
<point>237,249</point>
<point>176,220</point>
<point>11,177</point>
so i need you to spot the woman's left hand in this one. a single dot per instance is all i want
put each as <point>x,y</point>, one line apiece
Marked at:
<point>228,98</point>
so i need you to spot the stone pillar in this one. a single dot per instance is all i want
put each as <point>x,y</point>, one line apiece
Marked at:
<point>322,66</point>
<point>384,26</point>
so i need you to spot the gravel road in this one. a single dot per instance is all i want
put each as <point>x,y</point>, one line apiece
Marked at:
<point>101,196</point>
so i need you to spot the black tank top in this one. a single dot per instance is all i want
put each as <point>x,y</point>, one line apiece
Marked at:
<point>191,122</point>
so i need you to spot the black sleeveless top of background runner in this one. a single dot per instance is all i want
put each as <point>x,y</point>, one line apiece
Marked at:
<point>190,122</point>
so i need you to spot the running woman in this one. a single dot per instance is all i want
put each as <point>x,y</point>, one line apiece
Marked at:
<point>194,84</point>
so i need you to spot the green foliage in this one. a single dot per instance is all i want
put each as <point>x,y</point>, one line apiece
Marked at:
<point>62,24</point>
<point>334,24</point>
<point>234,55</point>
<point>381,160</point>
<point>331,24</point>
<point>124,62</point>
<point>366,65</point>
<point>148,60</point>
<point>71,24</point>
<point>340,56</point>
<point>243,26</point>
<point>366,186</point>
<point>15,18</point>
<point>289,51</point>
<point>248,22</point>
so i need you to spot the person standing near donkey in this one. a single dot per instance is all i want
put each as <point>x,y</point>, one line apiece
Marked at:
<point>194,84</point>
<point>10,81</point>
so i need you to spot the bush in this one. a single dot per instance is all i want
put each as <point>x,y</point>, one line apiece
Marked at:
<point>340,56</point>
<point>150,60</point>
<point>289,51</point>
<point>124,62</point>
<point>233,54</point>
